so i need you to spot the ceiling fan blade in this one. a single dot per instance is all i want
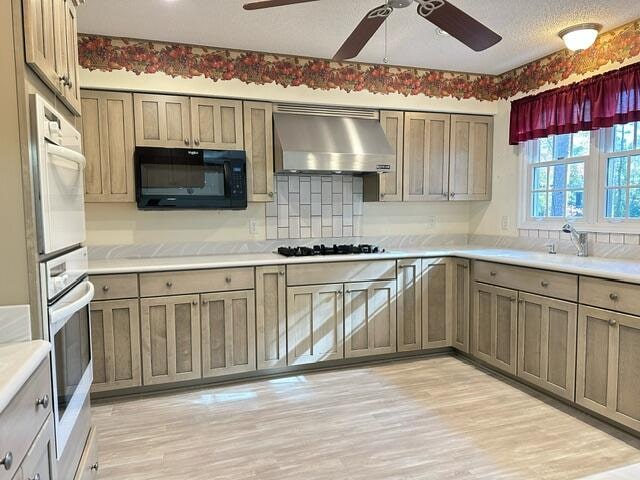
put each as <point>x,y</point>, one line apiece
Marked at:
<point>273,3</point>
<point>363,32</point>
<point>458,24</point>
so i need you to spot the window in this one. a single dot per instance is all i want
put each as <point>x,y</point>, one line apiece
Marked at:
<point>591,178</point>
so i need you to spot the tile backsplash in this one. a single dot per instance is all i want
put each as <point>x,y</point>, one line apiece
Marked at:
<point>315,206</point>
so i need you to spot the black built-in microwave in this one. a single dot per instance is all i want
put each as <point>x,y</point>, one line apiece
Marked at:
<point>181,178</point>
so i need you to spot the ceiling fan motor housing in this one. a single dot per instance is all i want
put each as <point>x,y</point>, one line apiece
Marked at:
<point>399,3</point>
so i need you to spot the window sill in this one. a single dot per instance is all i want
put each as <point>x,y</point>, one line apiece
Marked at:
<point>604,227</point>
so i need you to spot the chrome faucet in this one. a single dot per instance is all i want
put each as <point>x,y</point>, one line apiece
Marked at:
<point>579,239</point>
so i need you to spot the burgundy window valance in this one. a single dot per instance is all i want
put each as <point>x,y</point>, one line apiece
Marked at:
<point>597,102</point>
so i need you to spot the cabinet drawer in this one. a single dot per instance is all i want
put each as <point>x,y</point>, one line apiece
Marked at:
<point>88,467</point>
<point>111,287</point>
<point>20,422</point>
<point>609,294</point>
<point>543,282</point>
<point>195,281</point>
<point>340,272</point>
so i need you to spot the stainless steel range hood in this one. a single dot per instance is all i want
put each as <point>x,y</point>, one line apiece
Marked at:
<point>342,144</point>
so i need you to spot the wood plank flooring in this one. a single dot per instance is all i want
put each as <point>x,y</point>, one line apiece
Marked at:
<point>431,418</point>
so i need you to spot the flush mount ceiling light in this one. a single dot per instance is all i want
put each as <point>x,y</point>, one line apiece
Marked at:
<point>580,37</point>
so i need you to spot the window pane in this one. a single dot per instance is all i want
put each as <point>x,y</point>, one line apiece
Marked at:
<point>546,149</point>
<point>540,178</point>
<point>539,205</point>
<point>617,171</point>
<point>556,204</point>
<point>561,146</point>
<point>575,203</point>
<point>616,203</point>
<point>634,203</point>
<point>557,177</point>
<point>576,175</point>
<point>634,174</point>
<point>623,137</point>
<point>638,135</point>
<point>580,145</point>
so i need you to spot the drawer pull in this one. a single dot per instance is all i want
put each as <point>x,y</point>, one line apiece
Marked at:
<point>95,467</point>
<point>43,401</point>
<point>493,274</point>
<point>7,460</point>
<point>35,477</point>
<point>227,279</point>
<point>614,296</point>
<point>169,284</point>
<point>612,322</point>
<point>105,288</point>
<point>544,283</point>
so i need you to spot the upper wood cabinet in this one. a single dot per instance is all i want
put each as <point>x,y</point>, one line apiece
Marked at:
<point>426,157</point>
<point>258,144</point>
<point>315,323</point>
<point>108,144</point>
<point>369,318</point>
<point>409,316</point>
<point>547,343</point>
<point>162,120</point>
<point>436,302</point>
<point>608,363</point>
<point>51,46</point>
<point>216,123</point>
<point>271,317</point>
<point>471,157</point>
<point>460,303</point>
<point>387,187</point>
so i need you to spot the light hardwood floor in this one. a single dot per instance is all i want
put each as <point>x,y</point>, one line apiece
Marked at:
<point>431,418</point>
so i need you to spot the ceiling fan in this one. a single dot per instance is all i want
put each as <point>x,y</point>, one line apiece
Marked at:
<point>441,13</point>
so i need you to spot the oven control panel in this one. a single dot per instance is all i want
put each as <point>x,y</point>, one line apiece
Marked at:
<point>63,272</point>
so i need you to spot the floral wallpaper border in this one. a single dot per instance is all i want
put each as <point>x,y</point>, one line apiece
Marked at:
<point>188,61</point>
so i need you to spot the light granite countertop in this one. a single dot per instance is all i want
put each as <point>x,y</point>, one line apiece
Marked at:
<point>18,361</point>
<point>616,269</point>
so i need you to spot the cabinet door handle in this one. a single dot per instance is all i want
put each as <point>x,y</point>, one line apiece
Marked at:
<point>270,194</point>
<point>612,322</point>
<point>513,299</point>
<point>197,142</point>
<point>453,194</point>
<point>169,284</point>
<point>521,301</point>
<point>338,292</point>
<point>281,273</point>
<point>204,302</point>
<point>194,302</point>
<point>95,467</point>
<point>227,279</point>
<point>43,401</point>
<point>493,274</point>
<point>613,296</point>
<point>544,283</point>
<point>7,460</point>
<point>186,141</point>
<point>347,291</point>
<point>445,194</point>
<point>105,288</point>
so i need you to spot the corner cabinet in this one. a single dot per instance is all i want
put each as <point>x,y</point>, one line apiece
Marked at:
<point>258,144</point>
<point>471,157</point>
<point>108,145</point>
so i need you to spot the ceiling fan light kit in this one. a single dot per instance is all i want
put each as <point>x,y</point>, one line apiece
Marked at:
<point>580,37</point>
<point>446,17</point>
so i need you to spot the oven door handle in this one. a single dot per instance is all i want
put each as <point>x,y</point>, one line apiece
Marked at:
<point>62,313</point>
<point>67,154</point>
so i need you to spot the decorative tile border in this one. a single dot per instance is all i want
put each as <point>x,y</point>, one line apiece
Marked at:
<point>315,206</point>
<point>188,61</point>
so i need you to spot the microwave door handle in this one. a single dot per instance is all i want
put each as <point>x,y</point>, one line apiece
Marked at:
<point>67,154</point>
<point>227,179</point>
<point>58,314</point>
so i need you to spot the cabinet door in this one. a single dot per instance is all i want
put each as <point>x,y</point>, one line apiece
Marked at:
<point>495,326</point>
<point>608,364</point>
<point>391,182</point>
<point>69,32</point>
<point>228,333</point>
<point>426,157</point>
<point>40,18</point>
<point>471,157</point>
<point>436,302</point>
<point>460,288</point>
<point>170,339</point>
<point>369,318</point>
<point>88,466</point>
<point>161,120</point>
<point>258,143</point>
<point>547,343</point>
<point>271,317</point>
<point>115,340</point>
<point>315,323</point>
<point>216,123</point>
<point>40,461</point>
<point>409,305</point>
<point>108,144</point>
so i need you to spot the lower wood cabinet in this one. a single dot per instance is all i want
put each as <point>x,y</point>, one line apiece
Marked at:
<point>460,303</point>
<point>115,340</point>
<point>88,467</point>
<point>170,339</point>
<point>495,326</point>
<point>608,363</point>
<point>547,343</point>
<point>228,333</point>
<point>315,323</point>
<point>369,318</point>
<point>40,462</point>
<point>436,302</point>
<point>271,317</point>
<point>409,330</point>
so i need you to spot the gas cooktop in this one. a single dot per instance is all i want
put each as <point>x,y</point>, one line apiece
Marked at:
<point>328,250</point>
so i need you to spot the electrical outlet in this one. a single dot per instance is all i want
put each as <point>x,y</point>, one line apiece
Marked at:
<point>505,222</point>
<point>430,222</point>
<point>253,226</point>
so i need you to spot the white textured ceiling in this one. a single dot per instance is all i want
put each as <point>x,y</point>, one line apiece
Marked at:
<point>317,29</point>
